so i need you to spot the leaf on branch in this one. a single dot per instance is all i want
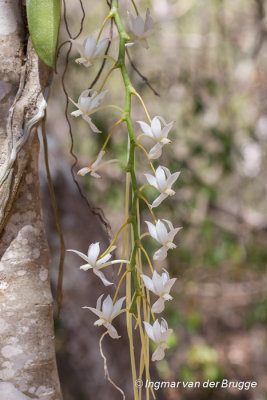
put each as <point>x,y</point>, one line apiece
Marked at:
<point>43,21</point>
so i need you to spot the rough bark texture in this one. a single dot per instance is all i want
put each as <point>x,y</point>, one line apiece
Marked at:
<point>27,357</point>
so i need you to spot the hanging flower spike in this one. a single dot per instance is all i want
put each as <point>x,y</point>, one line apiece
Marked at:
<point>86,106</point>
<point>92,261</point>
<point>140,29</point>
<point>108,313</point>
<point>89,50</point>
<point>162,181</point>
<point>160,285</point>
<point>92,168</point>
<point>159,232</point>
<point>158,134</point>
<point>160,334</point>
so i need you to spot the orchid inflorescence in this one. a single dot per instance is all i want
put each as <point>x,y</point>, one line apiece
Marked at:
<point>138,303</point>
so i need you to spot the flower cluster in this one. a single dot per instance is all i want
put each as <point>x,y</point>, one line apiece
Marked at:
<point>162,230</point>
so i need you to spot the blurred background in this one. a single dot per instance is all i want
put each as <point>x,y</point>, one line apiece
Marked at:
<point>208,61</point>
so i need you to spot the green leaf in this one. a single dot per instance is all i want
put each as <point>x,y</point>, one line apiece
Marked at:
<point>43,21</point>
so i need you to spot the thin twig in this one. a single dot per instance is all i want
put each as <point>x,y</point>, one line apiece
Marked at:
<point>144,78</point>
<point>66,21</point>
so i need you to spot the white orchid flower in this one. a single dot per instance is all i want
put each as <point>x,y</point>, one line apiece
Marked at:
<point>160,285</point>
<point>162,181</point>
<point>95,165</point>
<point>95,263</point>
<point>108,313</point>
<point>158,134</point>
<point>140,29</point>
<point>160,334</point>
<point>89,50</point>
<point>160,233</point>
<point>86,105</point>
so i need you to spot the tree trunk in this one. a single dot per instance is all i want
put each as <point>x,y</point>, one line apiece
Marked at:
<point>27,356</point>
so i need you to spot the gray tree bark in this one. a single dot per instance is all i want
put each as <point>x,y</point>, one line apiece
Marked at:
<point>27,356</point>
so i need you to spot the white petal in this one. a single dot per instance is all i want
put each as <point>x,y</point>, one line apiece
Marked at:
<point>84,171</point>
<point>104,259</point>
<point>107,308</point>
<point>117,307</point>
<point>173,178</point>
<point>76,113</point>
<point>167,171</point>
<point>148,21</point>
<point>156,151</point>
<point>149,330</point>
<point>158,354</point>
<point>85,93</point>
<point>84,104</point>
<point>93,253</point>
<point>165,274</point>
<point>161,178</point>
<point>170,225</point>
<point>145,128</point>
<point>99,322</point>
<point>100,47</point>
<point>162,232</point>
<point>166,335</point>
<point>148,283</point>
<point>160,254</point>
<point>158,306</point>
<point>156,127</point>
<point>164,325</point>
<point>95,175</point>
<point>102,277</point>
<point>96,99</point>
<point>138,26</point>
<point>158,283</point>
<point>83,256</point>
<point>152,230</point>
<point>98,159</point>
<point>86,267</point>
<point>173,233</point>
<point>95,311</point>
<point>91,124</point>
<point>159,200</point>
<point>111,331</point>
<point>130,21</point>
<point>112,248</point>
<point>157,331</point>
<point>98,303</point>
<point>166,129</point>
<point>151,180</point>
<point>89,47</point>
